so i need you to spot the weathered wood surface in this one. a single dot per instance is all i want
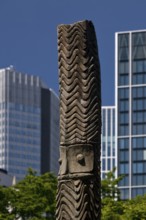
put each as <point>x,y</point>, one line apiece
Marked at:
<point>78,196</point>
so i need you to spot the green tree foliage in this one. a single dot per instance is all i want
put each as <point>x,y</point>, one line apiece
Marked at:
<point>4,204</point>
<point>32,198</point>
<point>112,208</point>
<point>109,186</point>
<point>135,209</point>
<point>115,209</point>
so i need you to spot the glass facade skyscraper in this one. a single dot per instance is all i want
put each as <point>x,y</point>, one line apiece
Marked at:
<point>130,73</point>
<point>108,149</point>
<point>21,122</point>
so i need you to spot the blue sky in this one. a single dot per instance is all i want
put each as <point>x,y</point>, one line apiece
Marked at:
<point>28,34</point>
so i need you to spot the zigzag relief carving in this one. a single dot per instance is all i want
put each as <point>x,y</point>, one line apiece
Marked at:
<point>76,200</point>
<point>79,82</point>
<point>78,196</point>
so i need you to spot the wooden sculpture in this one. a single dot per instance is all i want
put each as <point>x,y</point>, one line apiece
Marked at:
<point>78,196</point>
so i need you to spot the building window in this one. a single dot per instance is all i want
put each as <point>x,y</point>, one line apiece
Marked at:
<point>123,93</point>
<point>137,180</point>
<point>124,117</point>
<point>139,92</point>
<point>123,79</point>
<point>123,67</point>
<point>124,105</point>
<point>138,191</point>
<point>109,164</point>
<point>124,181</point>
<point>137,155</point>
<point>123,143</point>
<point>123,43</point>
<point>103,149</point>
<point>113,163</point>
<point>103,164</point>
<point>109,149</point>
<point>139,142</point>
<point>124,194</point>
<point>123,155</point>
<point>124,168</point>
<point>113,150</point>
<point>139,128</point>
<point>139,117</point>
<point>138,167</point>
<point>123,129</point>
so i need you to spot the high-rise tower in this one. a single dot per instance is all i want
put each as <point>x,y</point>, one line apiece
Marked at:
<point>130,73</point>
<point>22,138</point>
<point>108,148</point>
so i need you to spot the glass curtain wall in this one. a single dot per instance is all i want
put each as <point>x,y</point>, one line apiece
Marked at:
<point>131,112</point>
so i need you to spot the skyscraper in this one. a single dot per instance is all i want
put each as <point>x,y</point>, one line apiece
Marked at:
<point>49,131</point>
<point>21,120</point>
<point>130,70</point>
<point>108,150</point>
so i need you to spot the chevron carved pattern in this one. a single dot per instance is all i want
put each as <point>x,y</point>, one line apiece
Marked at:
<point>78,196</point>
<point>76,200</point>
<point>79,81</point>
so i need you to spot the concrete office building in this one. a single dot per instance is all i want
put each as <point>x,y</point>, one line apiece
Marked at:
<point>108,150</point>
<point>22,135</point>
<point>130,72</point>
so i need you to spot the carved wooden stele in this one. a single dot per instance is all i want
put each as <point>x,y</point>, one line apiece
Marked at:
<point>78,196</point>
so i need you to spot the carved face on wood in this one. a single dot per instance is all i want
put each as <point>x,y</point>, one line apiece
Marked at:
<point>76,159</point>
